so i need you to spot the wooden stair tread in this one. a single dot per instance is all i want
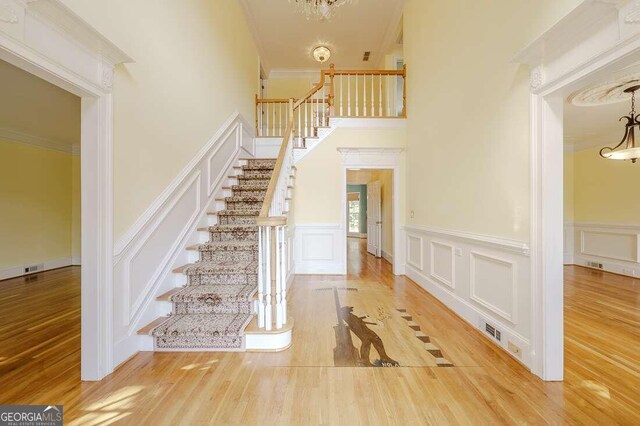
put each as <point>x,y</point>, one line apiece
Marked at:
<point>167,296</point>
<point>149,327</point>
<point>182,268</point>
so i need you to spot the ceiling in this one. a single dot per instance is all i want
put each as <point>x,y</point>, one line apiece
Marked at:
<point>285,38</point>
<point>594,126</point>
<point>35,111</point>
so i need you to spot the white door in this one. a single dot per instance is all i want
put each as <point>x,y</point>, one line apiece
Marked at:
<point>374,219</point>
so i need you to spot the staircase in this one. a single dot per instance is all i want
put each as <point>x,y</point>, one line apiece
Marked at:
<point>211,312</point>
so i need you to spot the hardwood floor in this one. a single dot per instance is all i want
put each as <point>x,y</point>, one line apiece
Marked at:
<point>39,361</point>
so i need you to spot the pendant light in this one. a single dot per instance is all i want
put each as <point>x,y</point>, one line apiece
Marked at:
<point>630,151</point>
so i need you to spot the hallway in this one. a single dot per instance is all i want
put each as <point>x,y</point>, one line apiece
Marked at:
<point>448,373</point>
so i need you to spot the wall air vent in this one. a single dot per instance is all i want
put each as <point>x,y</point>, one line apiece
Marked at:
<point>490,330</point>
<point>33,268</point>
<point>595,265</point>
<point>366,56</point>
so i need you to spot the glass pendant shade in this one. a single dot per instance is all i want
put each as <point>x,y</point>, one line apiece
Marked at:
<point>321,54</point>
<point>627,148</point>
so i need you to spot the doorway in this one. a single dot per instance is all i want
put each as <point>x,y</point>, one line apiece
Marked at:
<point>369,215</point>
<point>40,248</point>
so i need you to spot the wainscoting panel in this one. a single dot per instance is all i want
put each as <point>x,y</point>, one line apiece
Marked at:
<point>478,277</point>
<point>318,249</point>
<point>443,263</point>
<point>145,257</point>
<point>613,247</point>
<point>494,285</point>
<point>414,251</point>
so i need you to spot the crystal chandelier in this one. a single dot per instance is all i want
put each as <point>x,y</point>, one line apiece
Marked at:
<point>322,9</point>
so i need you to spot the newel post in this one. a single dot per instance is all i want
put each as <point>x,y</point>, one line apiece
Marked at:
<point>332,74</point>
<point>404,91</point>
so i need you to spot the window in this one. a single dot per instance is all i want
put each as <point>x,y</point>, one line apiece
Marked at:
<point>354,215</point>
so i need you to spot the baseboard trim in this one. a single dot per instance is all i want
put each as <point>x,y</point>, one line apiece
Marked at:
<point>387,256</point>
<point>18,271</point>
<point>472,315</point>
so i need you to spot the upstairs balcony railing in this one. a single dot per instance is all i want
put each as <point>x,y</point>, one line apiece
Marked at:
<point>370,94</point>
<point>339,94</point>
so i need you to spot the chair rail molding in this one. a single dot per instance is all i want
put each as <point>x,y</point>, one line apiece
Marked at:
<point>47,39</point>
<point>583,48</point>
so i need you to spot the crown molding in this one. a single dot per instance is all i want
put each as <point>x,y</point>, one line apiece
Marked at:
<point>66,21</point>
<point>392,33</point>
<point>50,144</point>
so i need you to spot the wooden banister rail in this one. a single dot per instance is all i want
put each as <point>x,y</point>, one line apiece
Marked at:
<point>295,120</point>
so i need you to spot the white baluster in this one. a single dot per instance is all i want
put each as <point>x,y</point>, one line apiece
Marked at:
<point>260,279</point>
<point>348,96</point>
<point>364,95</point>
<point>357,106</point>
<point>388,96</point>
<point>273,122</point>
<point>280,119</point>
<point>306,118</point>
<point>341,96</point>
<point>380,94</point>
<point>267,292</point>
<point>373,105</point>
<point>299,125</point>
<point>268,107</point>
<point>278,278</point>
<point>283,267</point>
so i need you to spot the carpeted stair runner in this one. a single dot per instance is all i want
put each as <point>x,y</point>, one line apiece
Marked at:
<point>212,310</point>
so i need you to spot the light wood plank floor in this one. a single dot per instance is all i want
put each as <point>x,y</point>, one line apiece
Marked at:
<point>39,361</point>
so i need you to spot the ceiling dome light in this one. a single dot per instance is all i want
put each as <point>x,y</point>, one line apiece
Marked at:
<point>321,54</point>
<point>631,151</point>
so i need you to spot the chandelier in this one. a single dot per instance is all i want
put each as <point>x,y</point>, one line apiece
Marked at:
<point>322,9</point>
<point>631,151</point>
<point>321,54</point>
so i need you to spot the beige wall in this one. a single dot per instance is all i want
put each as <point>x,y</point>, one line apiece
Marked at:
<point>319,186</point>
<point>36,203</point>
<point>568,187</point>
<point>604,190</point>
<point>468,108</point>
<point>195,64</point>
<point>76,204</point>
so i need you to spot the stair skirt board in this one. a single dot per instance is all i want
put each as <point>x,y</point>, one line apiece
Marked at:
<point>211,312</point>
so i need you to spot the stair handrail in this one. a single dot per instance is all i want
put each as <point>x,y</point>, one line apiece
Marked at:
<point>268,216</point>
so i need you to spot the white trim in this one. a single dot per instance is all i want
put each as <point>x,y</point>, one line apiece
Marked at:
<point>386,255</point>
<point>319,250</point>
<point>18,271</point>
<point>586,46</point>
<point>505,244</point>
<point>471,314</point>
<point>50,144</point>
<point>432,272</point>
<point>143,269</point>
<point>420,264</point>
<point>392,32</point>
<point>226,128</point>
<point>51,42</point>
<point>511,317</point>
<point>373,158</point>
